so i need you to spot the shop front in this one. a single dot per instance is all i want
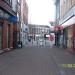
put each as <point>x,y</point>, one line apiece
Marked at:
<point>69,34</point>
<point>7,22</point>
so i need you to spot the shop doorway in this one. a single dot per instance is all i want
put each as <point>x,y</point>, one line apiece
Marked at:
<point>70,36</point>
<point>0,36</point>
<point>8,36</point>
<point>15,39</point>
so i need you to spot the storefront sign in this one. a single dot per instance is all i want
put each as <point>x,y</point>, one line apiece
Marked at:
<point>13,19</point>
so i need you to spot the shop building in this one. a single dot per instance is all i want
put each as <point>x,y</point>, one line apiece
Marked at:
<point>37,32</point>
<point>24,22</point>
<point>57,33</point>
<point>18,19</point>
<point>67,21</point>
<point>8,27</point>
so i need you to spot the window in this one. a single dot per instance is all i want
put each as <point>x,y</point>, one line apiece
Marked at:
<point>9,1</point>
<point>1,13</point>
<point>18,1</point>
<point>4,14</point>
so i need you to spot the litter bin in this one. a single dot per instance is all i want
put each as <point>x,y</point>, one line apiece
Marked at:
<point>19,44</point>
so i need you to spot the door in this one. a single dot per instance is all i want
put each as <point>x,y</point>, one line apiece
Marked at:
<point>15,39</point>
<point>8,36</point>
<point>0,36</point>
<point>65,37</point>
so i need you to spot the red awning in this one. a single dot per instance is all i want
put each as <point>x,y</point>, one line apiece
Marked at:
<point>59,27</point>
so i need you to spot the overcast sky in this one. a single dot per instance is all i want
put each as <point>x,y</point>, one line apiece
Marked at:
<point>41,11</point>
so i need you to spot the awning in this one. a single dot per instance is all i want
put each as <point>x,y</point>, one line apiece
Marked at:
<point>71,21</point>
<point>58,27</point>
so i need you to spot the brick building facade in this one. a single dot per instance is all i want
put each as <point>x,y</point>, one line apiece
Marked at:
<point>8,27</point>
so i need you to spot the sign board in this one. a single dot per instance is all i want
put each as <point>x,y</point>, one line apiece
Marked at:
<point>13,19</point>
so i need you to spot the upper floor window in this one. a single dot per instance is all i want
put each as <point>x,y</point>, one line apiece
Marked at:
<point>19,1</point>
<point>9,1</point>
<point>65,1</point>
